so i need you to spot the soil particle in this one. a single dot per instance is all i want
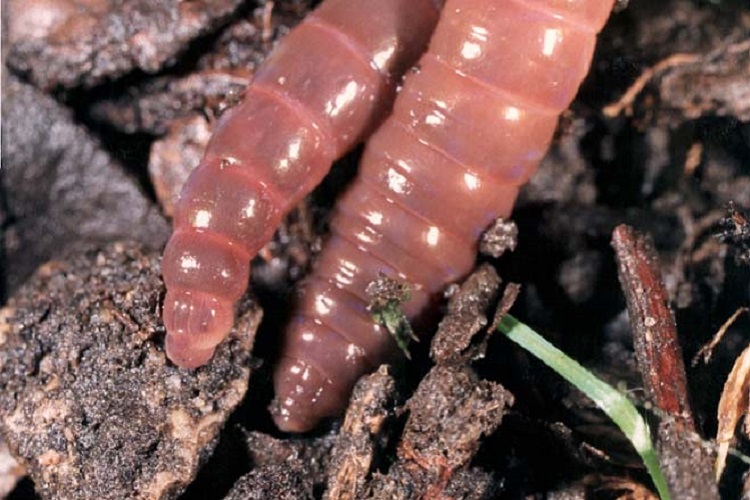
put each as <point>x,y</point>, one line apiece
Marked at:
<point>83,42</point>
<point>501,236</point>
<point>572,492</point>
<point>449,413</point>
<point>725,176</point>
<point>282,482</point>
<point>310,455</point>
<point>564,175</point>
<point>408,484</point>
<point>89,402</point>
<point>451,409</point>
<point>577,275</point>
<point>692,60</point>
<point>242,47</point>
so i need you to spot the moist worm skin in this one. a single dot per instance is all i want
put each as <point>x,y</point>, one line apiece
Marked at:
<point>323,89</point>
<point>467,130</point>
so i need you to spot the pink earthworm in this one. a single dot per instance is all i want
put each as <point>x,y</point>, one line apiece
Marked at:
<point>323,89</point>
<point>467,130</point>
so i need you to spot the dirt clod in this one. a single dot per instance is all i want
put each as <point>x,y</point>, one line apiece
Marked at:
<point>282,482</point>
<point>89,402</point>
<point>83,42</point>
<point>361,436</point>
<point>449,413</point>
<point>466,317</point>
<point>221,74</point>
<point>501,236</point>
<point>313,453</point>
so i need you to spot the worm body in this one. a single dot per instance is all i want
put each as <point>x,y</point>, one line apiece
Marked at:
<point>324,88</point>
<point>467,130</point>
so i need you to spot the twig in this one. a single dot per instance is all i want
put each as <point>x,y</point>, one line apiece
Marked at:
<point>707,350</point>
<point>655,335</point>
<point>626,101</point>
<point>687,467</point>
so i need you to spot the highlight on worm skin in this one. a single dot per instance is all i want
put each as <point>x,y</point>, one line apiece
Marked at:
<point>467,130</point>
<point>322,90</point>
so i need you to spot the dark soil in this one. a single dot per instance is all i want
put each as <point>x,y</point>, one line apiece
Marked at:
<point>104,114</point>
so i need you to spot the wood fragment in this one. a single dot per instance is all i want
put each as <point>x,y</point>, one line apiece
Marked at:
<point>693,159</point>
<point>657,349</point>
<point>685,460</point>
<point>655,339</point>
<point>510,294</point>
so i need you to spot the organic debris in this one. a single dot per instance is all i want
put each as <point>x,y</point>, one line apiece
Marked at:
<point>736,232</point>
<point>386,296</point>
<point>362,435</point>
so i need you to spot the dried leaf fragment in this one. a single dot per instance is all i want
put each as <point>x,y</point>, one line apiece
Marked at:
<point>732,405</point>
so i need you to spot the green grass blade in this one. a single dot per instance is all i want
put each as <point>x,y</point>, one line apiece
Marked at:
<point>612,402</point>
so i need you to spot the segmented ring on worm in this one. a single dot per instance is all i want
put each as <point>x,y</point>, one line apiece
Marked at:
<point>324,88</point>
<point>467,131</point>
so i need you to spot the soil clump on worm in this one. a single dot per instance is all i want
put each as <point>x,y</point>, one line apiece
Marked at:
<point>95,132</point>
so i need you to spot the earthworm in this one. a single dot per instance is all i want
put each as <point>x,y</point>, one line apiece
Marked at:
<point>324,88</point>
<point>467,130</point>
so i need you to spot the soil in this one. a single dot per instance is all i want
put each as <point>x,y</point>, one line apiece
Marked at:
<point>105,113</point>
